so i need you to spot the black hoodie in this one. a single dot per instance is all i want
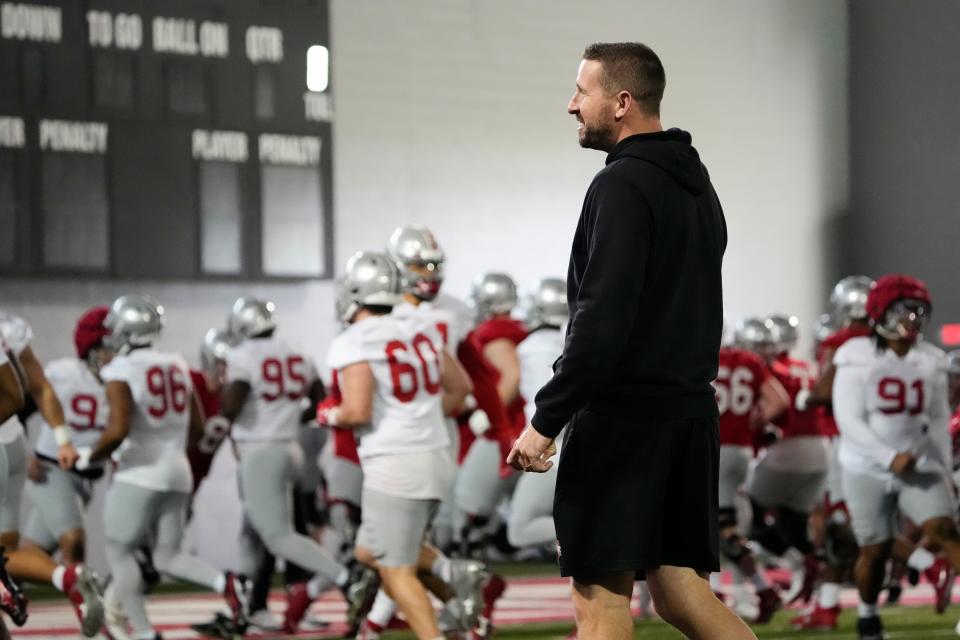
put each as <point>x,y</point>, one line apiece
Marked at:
<point>644,290</point>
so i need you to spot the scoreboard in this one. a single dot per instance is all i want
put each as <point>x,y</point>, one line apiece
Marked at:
<point>182,139</point>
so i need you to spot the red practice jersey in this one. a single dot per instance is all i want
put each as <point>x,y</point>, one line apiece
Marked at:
<point>796,375</point>
<point>828,426</point>
<point>514,331</point>
<point>955,438</point>
<point>215,430</point>
<point>740,376</point>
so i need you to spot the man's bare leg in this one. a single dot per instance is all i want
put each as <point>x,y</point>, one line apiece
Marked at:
<point>683,598</point>
<point>602,606</point>
<point>408,592</point>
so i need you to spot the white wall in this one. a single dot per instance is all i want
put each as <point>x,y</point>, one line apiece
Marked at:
<point>452,114</point>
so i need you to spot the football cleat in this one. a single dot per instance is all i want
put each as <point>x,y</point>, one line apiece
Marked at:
<point>870,628</point>
<point>467,578</point>
<point>941,575</point>
<point>12,600</point>
<point>369,631</point>
<point>84,593</point>
<point>359,593</point>
<point>819,619</point>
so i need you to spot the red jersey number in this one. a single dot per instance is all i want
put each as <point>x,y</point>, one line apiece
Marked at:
<point>734,390</point>
<point>406,379</point>
<point>286,378</point>
<point>168,389</point>
<point>897,397</point>
<point>84,406</point>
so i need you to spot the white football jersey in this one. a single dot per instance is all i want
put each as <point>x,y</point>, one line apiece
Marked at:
<point>404,350</point>
<point>457,316</point>
<point>886,405</point>
<point>84,403</point>
<point>537,353</point>
<point>280,378</point>
<point>17,335</point>
<point>153,454</point>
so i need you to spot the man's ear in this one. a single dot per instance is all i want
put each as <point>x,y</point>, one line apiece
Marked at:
<point>624,102</point>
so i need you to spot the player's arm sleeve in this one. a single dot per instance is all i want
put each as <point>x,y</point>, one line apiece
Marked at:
<point>607,301</point>
<point>850,412</point>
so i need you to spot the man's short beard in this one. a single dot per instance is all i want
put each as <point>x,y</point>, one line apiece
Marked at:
<point>599,136</point>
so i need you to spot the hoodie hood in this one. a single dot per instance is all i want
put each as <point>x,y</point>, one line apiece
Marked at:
<point>671,151</point>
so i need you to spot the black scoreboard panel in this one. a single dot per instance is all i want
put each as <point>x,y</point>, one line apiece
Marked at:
<point>174,139</point>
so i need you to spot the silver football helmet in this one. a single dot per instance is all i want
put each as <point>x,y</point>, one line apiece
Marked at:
<point>547,304</point>
<point>494,293</point>
<point>824,327</point>
<point>753,334</point>
<point>849,298</point>
<point>133,321</point>
<point>785,331</point>
<point>370,279</point>
<point>214,349</point>
<point>250,317</point>
<point>953,362</point>
<point>419,260</point>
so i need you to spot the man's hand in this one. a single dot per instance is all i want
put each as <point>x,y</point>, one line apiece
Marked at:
<point>66,456</point>
<point>903,463</point>
<point>532,452</point>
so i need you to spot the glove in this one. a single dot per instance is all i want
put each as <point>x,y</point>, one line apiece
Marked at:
<point>328,412</point>
<point>83,458</point>
<point>479,422</point>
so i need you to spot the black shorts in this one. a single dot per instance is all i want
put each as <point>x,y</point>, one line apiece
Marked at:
<point>633,495</point>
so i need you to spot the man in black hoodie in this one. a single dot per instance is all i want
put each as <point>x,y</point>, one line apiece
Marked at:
<point>637,485</point>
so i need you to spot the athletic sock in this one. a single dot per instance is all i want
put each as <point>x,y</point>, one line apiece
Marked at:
<point>865,610</point>
<point>383,610</point>
<point>57,579</point>
<point>442,568</point>
<point>921,559</point>
<point>829,596</point>
<point>342,578</point>
<point>220,584</point>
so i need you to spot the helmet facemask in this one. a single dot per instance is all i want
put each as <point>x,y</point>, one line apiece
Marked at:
<point>904,320</point>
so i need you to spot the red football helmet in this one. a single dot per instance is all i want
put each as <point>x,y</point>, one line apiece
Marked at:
<point>899,307</point>
<point>90,330</point>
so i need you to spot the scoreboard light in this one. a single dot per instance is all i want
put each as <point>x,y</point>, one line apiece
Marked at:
<point>950,335</point>
<point>318,68</point>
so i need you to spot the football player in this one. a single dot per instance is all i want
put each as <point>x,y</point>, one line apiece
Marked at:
<point>480,486</point>
<point>890,403</point>
<point>12,600</point>
<point>748,397</point>
<point>208,382</point>
<point>397,381</point>
<point>267,380</point>
<point>58,497</point>
<point>789,479</point>
<point>29,563</point>
<point>154,414</point>
<point>531,506</point>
